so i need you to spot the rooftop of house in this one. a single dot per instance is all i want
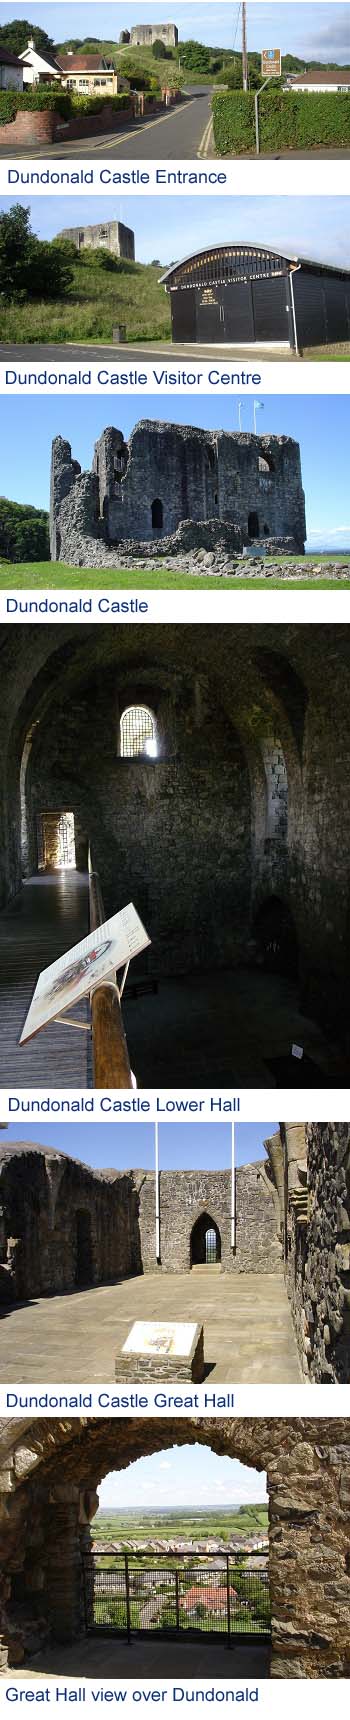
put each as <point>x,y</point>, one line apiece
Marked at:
<point>322,75</point>
<point>84,63</point>
<point>8,59</point>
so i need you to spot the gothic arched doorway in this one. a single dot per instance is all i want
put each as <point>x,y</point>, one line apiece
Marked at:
<point>205,1242</point>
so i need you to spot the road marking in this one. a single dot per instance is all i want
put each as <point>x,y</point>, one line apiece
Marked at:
<point>108,141</point>
<point>206,140</point>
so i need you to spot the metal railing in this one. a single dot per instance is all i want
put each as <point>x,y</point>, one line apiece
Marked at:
<point>111,1067</point>
<point>145,1595</point>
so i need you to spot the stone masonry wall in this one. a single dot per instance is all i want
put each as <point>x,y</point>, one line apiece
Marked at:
<point>318,1260</point>
<point>108,235</point>
<point>142,35</point>
<point>167,474</point>
<point>185,1195</point>
<point>148,841</point>
<point>50,1470</point>
<point>43,1195</point>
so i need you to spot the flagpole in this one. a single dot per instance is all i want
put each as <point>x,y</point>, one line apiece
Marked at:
<point>156,1147</point>
<point>233,1203</point>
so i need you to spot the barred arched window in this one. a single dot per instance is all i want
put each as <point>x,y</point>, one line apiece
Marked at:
<point>138,733</point>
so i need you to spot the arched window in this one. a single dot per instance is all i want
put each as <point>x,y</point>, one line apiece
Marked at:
<point>157,514</point>
<point>138,733</point>
<point>266,465</point>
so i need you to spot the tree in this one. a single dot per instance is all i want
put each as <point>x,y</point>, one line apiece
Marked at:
<point>17,35</point>
<point>30,267</point>
<point>24,532</point>
<point>159,50</point>
<point>195,57</point>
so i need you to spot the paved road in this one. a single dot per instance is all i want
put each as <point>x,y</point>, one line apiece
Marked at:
<point>155,352</point>
<point>178,134</point>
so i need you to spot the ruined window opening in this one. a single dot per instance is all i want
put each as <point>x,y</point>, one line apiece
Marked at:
<point>157,514</point>
<point>266,530</point>
<point>56,842</point>
<point>216,498</point>
<point>138,736</point>
<point>276,780</point>
<point>265,464</point>
<point>211,457</point>
<point>253,525</point>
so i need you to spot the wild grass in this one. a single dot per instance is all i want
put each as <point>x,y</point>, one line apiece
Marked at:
<point>96,301</point>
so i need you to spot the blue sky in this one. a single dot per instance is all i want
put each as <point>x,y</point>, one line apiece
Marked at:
<point>320,423</point>
<point>168,228</point>
<point>190,1475</point>
<point>182,1146</point>
<point>312,30</point>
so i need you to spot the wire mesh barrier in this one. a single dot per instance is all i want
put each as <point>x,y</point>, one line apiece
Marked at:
<point>134,1595</point>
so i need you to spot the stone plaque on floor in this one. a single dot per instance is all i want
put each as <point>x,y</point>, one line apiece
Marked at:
<point>162,1350</point>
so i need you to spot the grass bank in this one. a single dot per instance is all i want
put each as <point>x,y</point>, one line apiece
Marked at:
<point>54,576</point>
<point>98,299</point>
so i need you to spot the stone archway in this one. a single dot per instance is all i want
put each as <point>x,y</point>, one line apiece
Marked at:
<point>49,1473</point>
<point>205,1241</point>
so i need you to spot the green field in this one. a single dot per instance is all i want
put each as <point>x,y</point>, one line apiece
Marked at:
<point>53,576</point>
<point>168,1525</point>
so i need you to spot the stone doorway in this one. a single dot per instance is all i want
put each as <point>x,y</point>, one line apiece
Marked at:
<point>84,1265</point>
<point>56,842</point>
<point>205,1247</point>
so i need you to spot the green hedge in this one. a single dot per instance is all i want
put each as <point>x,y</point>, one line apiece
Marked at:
<point>40,98</point>
<point>289,119</point>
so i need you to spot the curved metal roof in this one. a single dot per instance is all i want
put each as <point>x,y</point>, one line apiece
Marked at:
<point>253,245</point>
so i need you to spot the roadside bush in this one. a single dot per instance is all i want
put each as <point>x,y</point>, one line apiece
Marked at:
<point>66,103</point>
<point>289,119</point>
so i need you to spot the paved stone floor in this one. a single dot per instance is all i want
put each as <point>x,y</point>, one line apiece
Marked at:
<point>109,1657</point>
<point>248,1333</point>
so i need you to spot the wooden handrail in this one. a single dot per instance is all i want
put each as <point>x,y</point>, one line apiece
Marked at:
<point>111,1067</point>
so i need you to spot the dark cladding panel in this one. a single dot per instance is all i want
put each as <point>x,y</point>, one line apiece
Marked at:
<point>272,318</point>
<point>309,303</point>
<point>337,308</point>
<point>209,314</point>
<point>239,322</point>
<point>183,315</point>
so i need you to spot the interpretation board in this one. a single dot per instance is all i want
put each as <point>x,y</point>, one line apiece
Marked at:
<point>82,968</point>
<point>162,1350</point>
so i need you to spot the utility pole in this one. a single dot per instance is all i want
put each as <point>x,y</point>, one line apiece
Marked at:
<point>244,46</point>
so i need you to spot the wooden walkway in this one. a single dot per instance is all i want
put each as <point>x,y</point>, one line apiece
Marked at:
<point>47,917</point>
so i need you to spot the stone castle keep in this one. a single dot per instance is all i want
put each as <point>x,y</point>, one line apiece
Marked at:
<point>249,487</point>
<point>65,1226</point>
<point>110,236</point>
<point>143,35</point>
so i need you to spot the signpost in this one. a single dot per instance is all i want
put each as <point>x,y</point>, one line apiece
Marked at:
<point>270,68</point>
<point>271,63</point>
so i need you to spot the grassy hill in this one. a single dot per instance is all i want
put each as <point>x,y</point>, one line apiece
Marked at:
<point>125,292</point>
